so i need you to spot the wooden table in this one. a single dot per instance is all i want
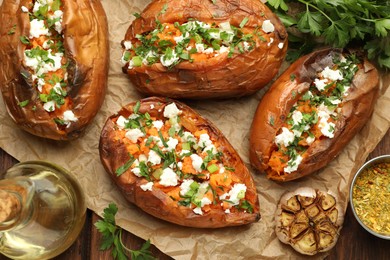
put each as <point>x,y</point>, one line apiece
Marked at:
<point>354,241</point>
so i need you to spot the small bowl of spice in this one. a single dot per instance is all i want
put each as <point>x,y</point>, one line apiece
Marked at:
<point>370,196</point>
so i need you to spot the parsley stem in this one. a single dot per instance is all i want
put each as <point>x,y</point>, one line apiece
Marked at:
<point>316,8</point>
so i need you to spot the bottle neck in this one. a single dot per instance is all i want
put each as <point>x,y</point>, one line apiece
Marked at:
<point>15,202</point>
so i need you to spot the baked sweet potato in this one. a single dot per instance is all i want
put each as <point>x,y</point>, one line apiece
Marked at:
<point>175,165</point>
<point>203,49</point>
<point>54,64</point>
<point>311,112</point>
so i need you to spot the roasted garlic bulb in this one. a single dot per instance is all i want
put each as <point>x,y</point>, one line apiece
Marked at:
<point>309,220</point>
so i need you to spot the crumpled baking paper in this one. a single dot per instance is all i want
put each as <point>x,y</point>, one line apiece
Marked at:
<point>233,117</point>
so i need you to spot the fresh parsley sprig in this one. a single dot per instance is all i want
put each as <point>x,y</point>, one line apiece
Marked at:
<point>112,238</point>
<point>338,23</point>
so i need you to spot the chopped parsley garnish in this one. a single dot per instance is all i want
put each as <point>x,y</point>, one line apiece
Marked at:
<point>24,39</point>
<point>24,103</point>
<point>152,47</point>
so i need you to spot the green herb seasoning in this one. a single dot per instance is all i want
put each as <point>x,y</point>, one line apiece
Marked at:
<point>194,40</point>
<point>371,197</point>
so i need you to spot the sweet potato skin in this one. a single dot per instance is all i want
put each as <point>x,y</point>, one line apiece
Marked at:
<point>273,109</point>
<point>86,46</point>
<point>217,77</point>
<point>113,154</point>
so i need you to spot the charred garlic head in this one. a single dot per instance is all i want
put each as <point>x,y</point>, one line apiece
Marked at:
<point>309,220</point>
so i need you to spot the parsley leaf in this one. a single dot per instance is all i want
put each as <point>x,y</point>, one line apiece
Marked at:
<point>112,238</point>
<point>338,24</point>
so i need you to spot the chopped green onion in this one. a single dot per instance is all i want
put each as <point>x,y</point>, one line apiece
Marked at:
<point>243,22</point>
<point>137,61</point>
<point>186,146</point>
<point>212,168</point>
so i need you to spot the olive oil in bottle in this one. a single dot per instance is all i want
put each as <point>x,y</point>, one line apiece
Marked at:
<point>42,211</point>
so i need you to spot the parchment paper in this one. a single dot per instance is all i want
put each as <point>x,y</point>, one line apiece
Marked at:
<point>234,118</point>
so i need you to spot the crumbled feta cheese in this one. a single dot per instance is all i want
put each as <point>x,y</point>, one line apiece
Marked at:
<point>134,116</point>
<point>152,106</point>
<point>285,138</point>
<point>221,168</point>
<point>131,65</point>
<point>178,39</point>
<point>323,111</point>
<point>40,3</point>
<point>246,45</point>
<point>310,140</point>
<point>208,50</point>
<point>271,40</point>
<point>215,35</point>
<point>223,49</point>
<point>171,111</point>
<point>334,101</point>
<point>327,129</point>
<point>121,122</point>
<point>188,137</point>
<point>69,116</point>
<point>37,28</point>
<point>168,177</point>
<point>198,211</point>
<point>320,84</point>
<point>172,142</point>
<point>134,134</point>
<point>151,54</point>
<point>196,162</point>
<point>267,26</point>
<point>24,9</point>
<point>185,153</point>
<point>41,83</point>
<point>158,124</point>
<point>142,158</point>
<point>147,186</point>
<point>46,44</point>
<point>180,165</point>
<point>49,106</point>
<point>45,67</point>
<point>223,196</point>
<point>185,186</point>
<point>280,45</point>
<point>58,24</point>
<point>297,117</point>
<point>32,62</point>
<point>136,171</point>
<point>199,47</point>
<point>227,211</point>
<point>211,148</point>
<point>205,201</point>
<point>332,74</point>
<point>154,158</point>
<point>168,62</point>
<point>57,88</point>
<point>237,190</point>
<point>204,141</point>
<point>128,45</point>
<point>294,164</point>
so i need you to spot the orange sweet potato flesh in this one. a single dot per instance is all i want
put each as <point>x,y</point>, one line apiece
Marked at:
<point>216,77</point>
<point>113,154</point>
<point>85,32</point>
<point>273,109</point>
